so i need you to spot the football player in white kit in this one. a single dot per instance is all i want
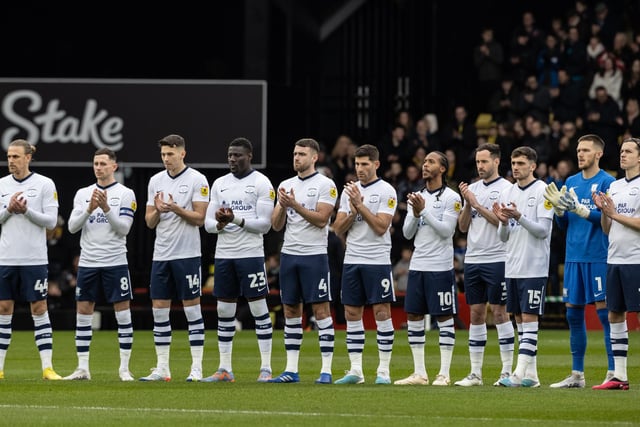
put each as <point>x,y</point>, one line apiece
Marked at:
<point>526,219</point>
<point>177,200</point>
<point>432,215</point>
<point>484,264</point>
<point>28,206</point>
<point>104,211</point>
<point>240,211</point>
<point>621,221</point>
<point>365,214</point>
<point>305,205</point>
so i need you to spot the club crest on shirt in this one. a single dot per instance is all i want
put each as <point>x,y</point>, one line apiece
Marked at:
<point>204,191</point>
<point>333,192</point>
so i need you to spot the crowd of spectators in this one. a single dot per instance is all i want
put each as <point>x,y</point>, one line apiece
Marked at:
<point>543,87</point>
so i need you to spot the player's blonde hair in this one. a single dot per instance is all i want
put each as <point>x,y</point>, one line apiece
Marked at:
<point>28,148</point>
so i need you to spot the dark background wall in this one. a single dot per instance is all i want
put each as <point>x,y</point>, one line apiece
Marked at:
<point>315,54</point>
<point>319,57</point>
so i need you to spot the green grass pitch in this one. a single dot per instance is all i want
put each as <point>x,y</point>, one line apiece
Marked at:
<point>27,400</point>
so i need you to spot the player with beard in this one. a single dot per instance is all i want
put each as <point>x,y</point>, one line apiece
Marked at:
<point>585,267</point>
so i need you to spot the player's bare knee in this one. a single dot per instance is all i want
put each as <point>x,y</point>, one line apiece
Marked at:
<point>321,310</point>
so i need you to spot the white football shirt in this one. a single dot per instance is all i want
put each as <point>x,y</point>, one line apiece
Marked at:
<point>175,237</point>
<point>364,246</point>
<point>251,198</point>
<point>483,243</point>
<point>433,230</point>
<point>22,242</point>
<point>527,255</point>
<point>300,236</point>
<point>103,240</point>
<point>624,242</point>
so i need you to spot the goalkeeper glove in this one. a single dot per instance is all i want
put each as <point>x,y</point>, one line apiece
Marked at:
<point>553,196</point>
<point>569,201</point>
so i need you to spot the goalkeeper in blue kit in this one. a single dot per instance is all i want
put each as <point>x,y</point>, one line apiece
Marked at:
<point>585,268</point>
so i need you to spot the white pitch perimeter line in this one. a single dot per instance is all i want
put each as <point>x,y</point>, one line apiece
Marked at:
<point>309,414</point>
